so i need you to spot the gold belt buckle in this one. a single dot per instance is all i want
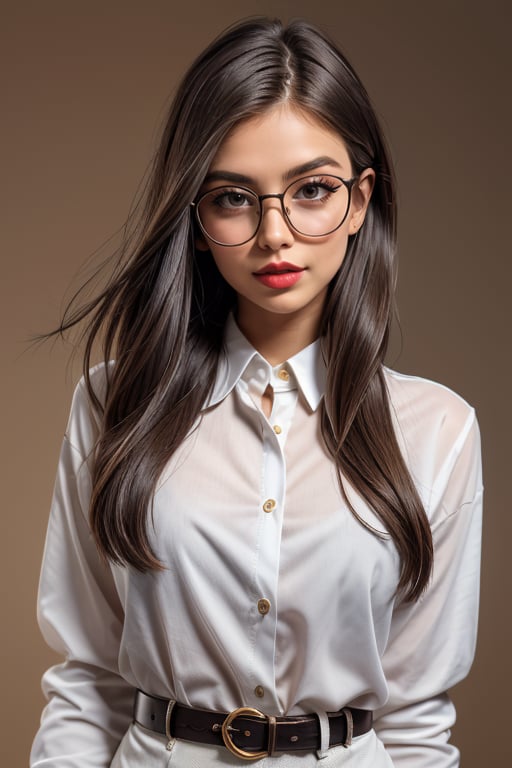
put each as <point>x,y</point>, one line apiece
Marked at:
<point>228,740</point>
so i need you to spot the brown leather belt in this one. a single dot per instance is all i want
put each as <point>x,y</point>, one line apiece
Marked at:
<point>246,732</point>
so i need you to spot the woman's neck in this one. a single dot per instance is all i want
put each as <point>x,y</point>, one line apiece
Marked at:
<point>277,337</point>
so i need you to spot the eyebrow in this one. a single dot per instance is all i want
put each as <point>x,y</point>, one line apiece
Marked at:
<point>298,170</point>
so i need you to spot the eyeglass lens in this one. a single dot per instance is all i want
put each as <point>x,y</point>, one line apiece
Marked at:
<point>313,206</point>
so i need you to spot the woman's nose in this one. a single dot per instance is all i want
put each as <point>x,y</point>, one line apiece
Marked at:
<point>274,231</point>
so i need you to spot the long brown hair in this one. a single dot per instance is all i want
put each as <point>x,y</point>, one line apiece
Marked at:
<point>162,313</point>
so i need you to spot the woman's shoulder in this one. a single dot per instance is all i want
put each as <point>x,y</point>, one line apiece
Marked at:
<point>84,419</point>
<point>98,378</point>
<point>438,433</point>
<point>417,398</point>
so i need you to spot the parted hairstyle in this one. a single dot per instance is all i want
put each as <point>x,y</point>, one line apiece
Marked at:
<point>161,314</point>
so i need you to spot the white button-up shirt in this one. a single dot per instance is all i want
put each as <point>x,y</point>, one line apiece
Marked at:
<point>273,595</point>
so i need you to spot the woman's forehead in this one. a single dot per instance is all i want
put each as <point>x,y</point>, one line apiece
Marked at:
<point>278,141</point>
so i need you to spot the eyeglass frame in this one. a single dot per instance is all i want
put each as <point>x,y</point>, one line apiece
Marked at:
<point>348,183</point>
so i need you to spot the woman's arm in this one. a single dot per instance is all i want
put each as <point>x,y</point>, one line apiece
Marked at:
<point>80,615</point>
<point>432,642</point>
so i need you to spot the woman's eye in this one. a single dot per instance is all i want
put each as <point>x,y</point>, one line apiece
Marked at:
<point>232,199</point>
<point>311,191</point>
<point>314,191</point>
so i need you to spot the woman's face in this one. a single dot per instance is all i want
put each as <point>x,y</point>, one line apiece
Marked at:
<point>266,153</point>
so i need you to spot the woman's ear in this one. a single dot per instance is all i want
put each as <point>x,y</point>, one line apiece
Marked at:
<point>361,194</point>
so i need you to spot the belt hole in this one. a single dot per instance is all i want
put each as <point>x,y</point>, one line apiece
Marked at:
<point>294,738</point>
<point>247,733</point>
<point>216,727</point>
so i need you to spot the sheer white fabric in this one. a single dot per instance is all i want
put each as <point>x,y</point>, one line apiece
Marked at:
<point>249,509</point>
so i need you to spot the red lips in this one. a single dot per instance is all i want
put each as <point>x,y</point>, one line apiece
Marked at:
<point>279,275</point>
<point>277,267</point>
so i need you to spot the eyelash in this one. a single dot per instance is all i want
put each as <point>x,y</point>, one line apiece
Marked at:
<point>322,183</point>
<point>217,200</point>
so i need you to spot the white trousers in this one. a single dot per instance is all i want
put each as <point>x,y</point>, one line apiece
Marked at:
<point>141,748</point>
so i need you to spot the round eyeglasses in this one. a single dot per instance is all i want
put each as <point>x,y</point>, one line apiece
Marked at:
<point>313,206</point>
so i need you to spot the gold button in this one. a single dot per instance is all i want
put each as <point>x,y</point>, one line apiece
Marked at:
<point>269,505</point>
<point>283,374</point>
<point>277,429</point>
<point>259,691</point>
<point>263,606</point>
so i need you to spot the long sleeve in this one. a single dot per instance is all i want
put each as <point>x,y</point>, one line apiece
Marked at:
<point>80,615</point>
<point>432,642</point>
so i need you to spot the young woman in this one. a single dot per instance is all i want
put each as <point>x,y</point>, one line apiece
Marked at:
<point>264,545</point>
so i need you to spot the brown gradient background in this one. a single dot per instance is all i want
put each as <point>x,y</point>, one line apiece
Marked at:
<point>84,89</point>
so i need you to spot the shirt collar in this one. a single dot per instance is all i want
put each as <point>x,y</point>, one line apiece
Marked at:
<point>239,360</point>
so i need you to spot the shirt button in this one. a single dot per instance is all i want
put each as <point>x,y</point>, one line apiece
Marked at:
<point>263,606</point>
<point>259,691</point>
<point>269,505</point>
<point>283,374</point>
<point>277,429</point>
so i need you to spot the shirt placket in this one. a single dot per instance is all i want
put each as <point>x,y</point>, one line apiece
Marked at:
<point>263,613</point>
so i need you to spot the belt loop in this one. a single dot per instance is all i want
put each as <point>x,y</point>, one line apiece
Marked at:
<point>168,715</point>
<point>350,726</point>
<point>325,734</point>
<point>272,733</point>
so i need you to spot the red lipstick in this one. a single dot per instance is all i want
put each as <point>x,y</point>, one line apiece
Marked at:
<point>279,274</point>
